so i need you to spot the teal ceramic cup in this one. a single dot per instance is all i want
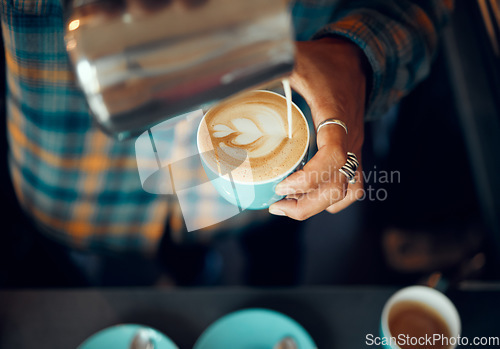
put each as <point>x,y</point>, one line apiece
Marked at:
<point>430,298</point>
<point>253,195</point>
<point>121,337</point>
<point>253,329</point>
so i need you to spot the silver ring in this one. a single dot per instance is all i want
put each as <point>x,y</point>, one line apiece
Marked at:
<point>350,167</point>
<point>331,122</point>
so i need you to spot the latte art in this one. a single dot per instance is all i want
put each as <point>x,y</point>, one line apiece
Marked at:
<point>259,134</point>
<point>253,127</point>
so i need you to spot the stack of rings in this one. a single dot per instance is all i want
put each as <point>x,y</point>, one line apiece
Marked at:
<point>350,167</point>
<point>352,163</point>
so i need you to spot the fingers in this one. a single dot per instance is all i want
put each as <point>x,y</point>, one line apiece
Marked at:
<point>354,193</point>
<point>332,197</point>
<point>314,189</point>
<point>307,205</point>
<point>322,167</point>
<point>319,186</point>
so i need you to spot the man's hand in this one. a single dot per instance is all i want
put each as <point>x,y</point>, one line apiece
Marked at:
<point>330,74</point>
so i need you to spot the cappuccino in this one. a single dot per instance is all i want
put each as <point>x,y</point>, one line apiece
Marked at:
<point>248,136</point>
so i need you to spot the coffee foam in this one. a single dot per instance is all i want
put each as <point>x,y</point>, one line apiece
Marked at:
<point>254,127</point>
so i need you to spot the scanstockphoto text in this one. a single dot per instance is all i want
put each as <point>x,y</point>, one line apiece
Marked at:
<point>432,340</point>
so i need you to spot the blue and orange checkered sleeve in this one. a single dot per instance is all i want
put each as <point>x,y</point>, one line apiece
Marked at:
<point>78,185</point>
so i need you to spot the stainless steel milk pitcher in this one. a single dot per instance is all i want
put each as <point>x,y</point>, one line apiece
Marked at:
<point>143,61</point>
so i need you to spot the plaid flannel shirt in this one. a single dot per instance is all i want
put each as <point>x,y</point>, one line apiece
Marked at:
<point>83,188</point>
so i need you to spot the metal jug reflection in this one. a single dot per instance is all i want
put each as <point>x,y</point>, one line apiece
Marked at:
<point>140,62</point>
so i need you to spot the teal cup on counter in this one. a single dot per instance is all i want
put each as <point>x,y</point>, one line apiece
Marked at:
<point>121,337</point>
<point>253,195</point>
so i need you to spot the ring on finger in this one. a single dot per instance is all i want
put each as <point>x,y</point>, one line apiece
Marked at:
<point>331,122</point>
<point>350,167</point>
